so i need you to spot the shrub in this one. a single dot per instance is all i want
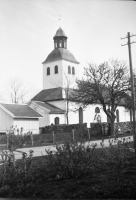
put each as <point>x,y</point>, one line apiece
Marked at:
<point>21,177</point>
<point>72,160</point>
<point>3,139</point>
<point>18,141</point>
<point>116,156</point>
<point>9,172</point>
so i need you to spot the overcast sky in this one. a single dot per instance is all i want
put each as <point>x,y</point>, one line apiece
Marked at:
<point>93,28</point>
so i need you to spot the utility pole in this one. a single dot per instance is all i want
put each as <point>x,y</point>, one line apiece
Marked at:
<point>132,85</point>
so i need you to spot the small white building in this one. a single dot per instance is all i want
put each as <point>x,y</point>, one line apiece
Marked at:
<point>19,115</point>
<point>60,71</point>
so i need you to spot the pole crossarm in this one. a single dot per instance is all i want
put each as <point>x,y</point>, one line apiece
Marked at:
<point>123,38</point>
<point>132,42</point>
<point>132,35</point>
<point>124,44</point>
<point>127,43</point>
<point>127,36</point>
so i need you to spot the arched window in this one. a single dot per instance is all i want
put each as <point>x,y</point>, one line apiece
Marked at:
<point>60,43</point>
<point>64,44</point>
<point>56,69</point>
<point>55,44</point>
<point>97,110</point>
<point>56,121</point>
<point>73,70</point>
<point>48,71</point>
<point>97,117</point>
<point>80,115</point>
<point>108,119</point>
<point>69,70</point>
<point>117,115</point>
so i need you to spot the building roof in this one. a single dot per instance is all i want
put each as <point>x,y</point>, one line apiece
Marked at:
<point>49,95</point>
<point>60,54</point>
<point>20,111</point>
<point>60,33</point>
<point>53,109</point>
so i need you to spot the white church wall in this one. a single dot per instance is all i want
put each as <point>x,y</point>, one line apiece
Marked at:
<point>62,78</point>
<point>89,113</point>
<point>73,117</point>
<point>45,120</point>
<point>62,119</point>
<point>73,114</point>
<point>53,80</point>
<point>124,115</point>
<point>69,80</point>
<point>59,104</point>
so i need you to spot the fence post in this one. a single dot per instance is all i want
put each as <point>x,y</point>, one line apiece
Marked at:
<point>7,139</point>
<point>88,134</point>
<point>102,129</point>
<point>14,163</point>
<point>32,138</point>
<point>73,134</point>
<point>53,137</point>
<point>13,158</point>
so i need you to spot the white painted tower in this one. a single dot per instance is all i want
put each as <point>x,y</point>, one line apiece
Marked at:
<point>60,69</point>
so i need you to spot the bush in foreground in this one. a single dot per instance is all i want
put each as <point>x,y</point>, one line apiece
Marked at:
<point>74,171</point>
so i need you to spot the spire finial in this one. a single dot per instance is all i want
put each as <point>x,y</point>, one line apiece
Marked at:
<point>60,20</point>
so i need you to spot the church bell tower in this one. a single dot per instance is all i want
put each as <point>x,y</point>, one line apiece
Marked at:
<point>60,65</point>
<point>60,39</point>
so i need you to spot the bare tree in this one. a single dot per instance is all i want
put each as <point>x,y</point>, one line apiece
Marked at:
<point>106,84</point>
<point>67,88</point>
<point>19,91</point>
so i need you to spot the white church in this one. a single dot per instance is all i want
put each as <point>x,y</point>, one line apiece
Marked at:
<point>60,71</point>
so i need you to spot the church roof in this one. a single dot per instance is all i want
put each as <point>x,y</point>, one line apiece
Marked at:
<point>59,54</point>
<point>49,95</point>
<point>53,109</point>
<point>60,33</point>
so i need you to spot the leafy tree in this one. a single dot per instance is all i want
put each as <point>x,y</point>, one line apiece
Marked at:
<point>106,84</point>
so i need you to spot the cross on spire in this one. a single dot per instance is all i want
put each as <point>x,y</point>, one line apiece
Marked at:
<point>60,20</point>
